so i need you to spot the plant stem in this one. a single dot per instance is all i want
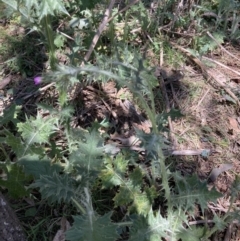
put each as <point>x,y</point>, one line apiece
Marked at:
<point>79,206</point>
<point>49,35</point>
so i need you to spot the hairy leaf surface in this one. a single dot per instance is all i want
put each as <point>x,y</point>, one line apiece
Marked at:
<point>37,130</point>
<point>55,188</point>
<point>93,227</point>
<point>151,228</point>
<point>191,191</point>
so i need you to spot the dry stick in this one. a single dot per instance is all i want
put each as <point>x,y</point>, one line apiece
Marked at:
<point>106,20</point>
<point>123,10</point>
<point>40,90</point>
<point>207,73</point>
<point>190,152</point>
<point>221,47</point>
<point>223,65</point>
<point>199,103</point>
<point>99,31</point>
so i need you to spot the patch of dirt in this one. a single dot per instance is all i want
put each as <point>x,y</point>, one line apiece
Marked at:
<point>211,122</point>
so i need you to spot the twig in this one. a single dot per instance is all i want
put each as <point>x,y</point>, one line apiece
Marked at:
<point>199,103</point>
<point>223,65</point>
<point>99,31</point>
<point>106,20</point>
<point>39,90</point>
<point>208,221</point>
<point>221,47</point>
<point>190,152</point>
<point>65,35</point>
<point>200,222</point>
<point>123,10</point>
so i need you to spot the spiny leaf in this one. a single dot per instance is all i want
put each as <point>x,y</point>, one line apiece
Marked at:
<point>93,227</point>
<point>55,188</point>
<point>193,233</point>
<point>36,166</point>
<point>114,172</point>
<point>47,7</point>
<point>219,222</point>
<point>10,114</point>
<point>131,194</point>
<point>37,130</point>
<point>42,8</point>
<point>16,144</point>
<point>191,190</point>
<point>151,228</point>
<point>89,153</point>
<point>15,181</point>
<point>151,142</point>
<point>20,148</point>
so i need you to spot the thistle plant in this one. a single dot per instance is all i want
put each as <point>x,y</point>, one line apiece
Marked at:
<point>156,202</point>
<point>39,16</point>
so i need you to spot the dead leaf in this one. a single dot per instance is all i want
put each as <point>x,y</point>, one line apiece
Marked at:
<point>233,125</point>
<point>60,235</point>
<point>5,82</point>
<point>218,170</point>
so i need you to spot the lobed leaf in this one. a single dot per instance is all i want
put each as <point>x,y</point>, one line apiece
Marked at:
<point>55,188</point>
<point>191,191</point>
<point>92,227</point>
<point>37,130</point>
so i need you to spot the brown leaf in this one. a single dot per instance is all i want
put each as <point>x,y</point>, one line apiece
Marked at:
<point>5,82</point>
<point>218,170</point>
<point>60,235</point>
<point>233,125</point>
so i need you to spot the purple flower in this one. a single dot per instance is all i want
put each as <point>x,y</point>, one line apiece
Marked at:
<point>37,80</point>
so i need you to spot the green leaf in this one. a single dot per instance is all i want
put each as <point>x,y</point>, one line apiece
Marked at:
<point>49,7</point>
<point>193,233</point>
<point>59,41</point>
<point>15,181</point>
<point>151,228</point>
<point>36,166</point>
<point>113,173</point>
<point>191,190</point>
<point>19,147</point>
<point>131,194</point>
<point>89,154</point>
<point>10,114</point>
<point>92,227</point>
<point>31,212</point>
<point>55,188</point>
<point>37,130</point>
<point>235,187</point>
<point>153,144</point>
<point>15,143</point>
<point>219,222</point>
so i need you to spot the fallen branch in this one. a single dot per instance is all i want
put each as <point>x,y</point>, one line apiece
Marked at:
<point>99,31</point>
<point>103,24</point>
